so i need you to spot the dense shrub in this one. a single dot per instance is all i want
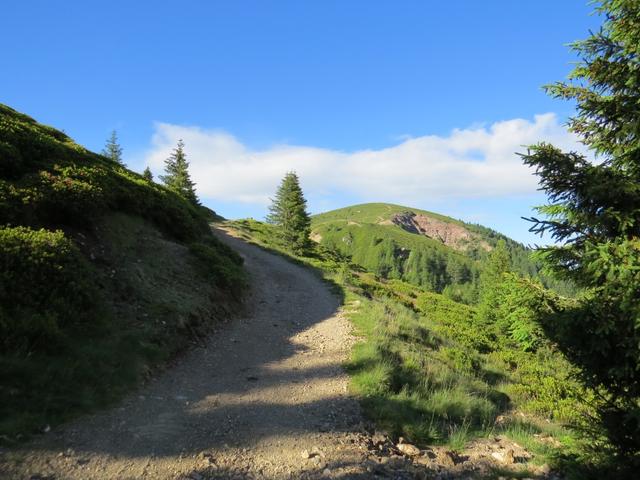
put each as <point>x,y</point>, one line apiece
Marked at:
<point>32,146</point>
<point>544,383</point>
<point>44,288</point>
<point>69,195</point>
<point>455,320</point>
<point>46,180</point>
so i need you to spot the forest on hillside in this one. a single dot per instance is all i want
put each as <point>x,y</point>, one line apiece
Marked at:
<point>392,252</point>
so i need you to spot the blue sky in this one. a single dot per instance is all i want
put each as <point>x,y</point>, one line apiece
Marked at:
<point>363,99</point>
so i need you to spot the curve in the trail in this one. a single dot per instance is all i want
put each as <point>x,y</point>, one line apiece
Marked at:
<point>265,388</point>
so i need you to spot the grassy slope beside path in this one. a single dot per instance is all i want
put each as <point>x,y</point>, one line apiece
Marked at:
<point>103,277</point>
<point>426,371</point>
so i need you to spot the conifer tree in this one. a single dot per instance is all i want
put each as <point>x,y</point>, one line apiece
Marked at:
<point>499,263</point>
<point>491,279</point>
<point>177,176</point>
<point>112,149</point>
<point>594,216</point>
<point>148,176</point>
<point>288,212</point>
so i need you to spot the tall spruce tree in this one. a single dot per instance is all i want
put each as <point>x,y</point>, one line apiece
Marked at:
<point>288,212</point>
<point>177,176</point>
<point>594,215</point>
<point>112,149</point>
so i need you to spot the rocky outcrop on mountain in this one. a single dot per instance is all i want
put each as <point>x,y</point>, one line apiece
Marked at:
<point>450,234</point>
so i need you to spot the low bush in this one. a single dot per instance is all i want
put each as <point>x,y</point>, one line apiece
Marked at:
<point>45,288</point>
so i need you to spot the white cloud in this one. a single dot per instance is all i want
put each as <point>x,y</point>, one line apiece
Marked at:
<point>468,163</point>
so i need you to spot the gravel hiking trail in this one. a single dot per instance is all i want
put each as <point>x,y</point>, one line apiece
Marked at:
<point>264,398</point>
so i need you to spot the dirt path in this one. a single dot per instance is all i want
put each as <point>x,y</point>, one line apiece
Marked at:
<point>264,389</point>
<point>265,398</point>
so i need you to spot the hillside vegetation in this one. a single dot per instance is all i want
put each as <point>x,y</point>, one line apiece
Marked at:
<point>436,371</point>
<point>423,248</point>
<point>103,276</point>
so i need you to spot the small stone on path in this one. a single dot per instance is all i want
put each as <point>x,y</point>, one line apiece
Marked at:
<point>408,449</point>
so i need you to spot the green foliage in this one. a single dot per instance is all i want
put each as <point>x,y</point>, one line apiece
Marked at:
<point>498,264</point>
<point>113,150</point>
<point>543,383</point>
<point>453,320</point>
<point>28,145</point>
<point>431,377</point>
<point>366,234</point>
<point>393,253</point>
<point>593,213</point>
<point>511,316</point>
<point>59,351</point>
<point>466,293</point>
<point>288,212</point>
<point>410,383</point>
<point>49,181</point>
<point>521,305</point>
<point>176,175</point>
<point>45,288</point>
<point>371,213</point>
<point>491,280</point>
<point>90,367</point>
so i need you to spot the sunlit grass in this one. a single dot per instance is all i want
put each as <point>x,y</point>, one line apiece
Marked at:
<point>426,371</point>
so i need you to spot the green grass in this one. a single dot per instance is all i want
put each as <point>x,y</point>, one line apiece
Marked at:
<point>329,265</point>
<point>409,377</point>
<point>425,373</point>
<point>425,369</point>
<point>372,213</point>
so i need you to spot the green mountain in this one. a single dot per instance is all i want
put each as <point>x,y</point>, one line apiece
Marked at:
<point>103,276</point>
<point>423,248</point>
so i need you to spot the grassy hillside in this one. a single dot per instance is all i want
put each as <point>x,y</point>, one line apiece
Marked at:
<point>368,234</point>
<point>431,370</point>
<point>103,277</point>
<point>372,213</point>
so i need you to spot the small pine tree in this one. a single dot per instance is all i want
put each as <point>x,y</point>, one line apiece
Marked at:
<point>177,176</point>
<point>148,176</point>
<point>288,212</point>
<point>499,263</point>
<point>491,279</point>
<point>112,149</point>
